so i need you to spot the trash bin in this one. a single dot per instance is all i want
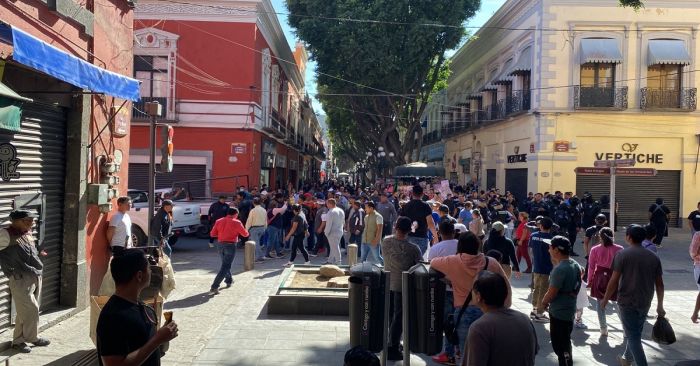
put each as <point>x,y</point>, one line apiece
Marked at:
<point>426,307</point>
<point>366,300</point>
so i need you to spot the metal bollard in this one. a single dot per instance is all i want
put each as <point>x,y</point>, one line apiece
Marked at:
<point>352,254</point>
<point>249,256</point>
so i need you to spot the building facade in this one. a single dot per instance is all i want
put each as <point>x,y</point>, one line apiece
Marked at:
<point>234,92</point>
<point>65,96</point>
<point>548,87</point>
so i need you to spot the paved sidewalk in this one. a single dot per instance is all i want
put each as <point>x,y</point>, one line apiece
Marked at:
<point>233,328</point>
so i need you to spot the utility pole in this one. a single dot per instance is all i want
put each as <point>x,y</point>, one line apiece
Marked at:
<point>154,110</point>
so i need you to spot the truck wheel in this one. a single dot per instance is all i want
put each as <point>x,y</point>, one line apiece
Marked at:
<point>202,232</point>
<point>173,239</point>
<point>138,236</point>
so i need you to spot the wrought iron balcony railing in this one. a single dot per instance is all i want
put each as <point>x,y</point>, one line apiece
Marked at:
<point>683,99</point>
<point>593,97</point>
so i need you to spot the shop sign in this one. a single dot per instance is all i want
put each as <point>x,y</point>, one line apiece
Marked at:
<point>238,148</point>
<point>532,148</point>
<point>8,162</point>
<point>561,146</point>
<point>629,151</point>
<point>281,161</point>
<point>120,123</point>
<point>520,158</point>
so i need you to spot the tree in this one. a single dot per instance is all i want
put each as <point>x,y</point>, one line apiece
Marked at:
<point>635,4</point>
<point>379,61</point>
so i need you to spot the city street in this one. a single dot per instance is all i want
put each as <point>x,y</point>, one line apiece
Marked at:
<point>233,328</point>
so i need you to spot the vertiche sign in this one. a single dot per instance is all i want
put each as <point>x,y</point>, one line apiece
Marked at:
<point>629,151</point>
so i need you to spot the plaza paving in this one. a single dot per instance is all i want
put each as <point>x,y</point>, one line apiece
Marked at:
<point>233,328</point>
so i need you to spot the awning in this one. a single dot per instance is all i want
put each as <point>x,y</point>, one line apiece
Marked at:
<point>37,54</point>
<point>524,64</point>
<point>668,52</point>
<point>6,92</point>
<point>10,108</point>
<point>504,77</point>
<point>602,50</point>
<point>418,170</point>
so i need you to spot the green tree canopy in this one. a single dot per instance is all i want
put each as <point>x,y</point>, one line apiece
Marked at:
<point>378,76</point>
<point>635,4</point>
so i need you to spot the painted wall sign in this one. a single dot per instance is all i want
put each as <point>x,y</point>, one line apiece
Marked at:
<point>238,148</point>
<point>629,151</point>
<point>561,146</point>
<point>521,158</point>
<point>8,162</point>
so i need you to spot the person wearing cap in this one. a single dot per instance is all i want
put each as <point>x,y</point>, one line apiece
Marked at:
<point>560,298</point>
<point>217,210</point>
<point>20,262</point>
<point>162,227</point>
<point>498,241</point>
<point>591,237</point>
<point>444,213</point>
<point>542,266</point>
<point>119,229</point>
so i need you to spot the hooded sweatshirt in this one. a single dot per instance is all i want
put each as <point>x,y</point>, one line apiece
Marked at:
<point>461,269</point>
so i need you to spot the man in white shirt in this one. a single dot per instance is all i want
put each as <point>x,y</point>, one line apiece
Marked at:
<point>256,226</point>
<point>119,230</point>
<point>335,220</point>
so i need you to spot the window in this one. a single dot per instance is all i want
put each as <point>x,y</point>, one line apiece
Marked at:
<point>152,71</point>
<point>598,75</point>
<point>666,77</point>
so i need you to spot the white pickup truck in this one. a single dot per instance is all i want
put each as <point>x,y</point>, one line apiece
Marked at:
<point>186,216</point>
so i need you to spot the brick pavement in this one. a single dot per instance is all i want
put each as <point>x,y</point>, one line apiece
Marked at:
<point>233,328</point>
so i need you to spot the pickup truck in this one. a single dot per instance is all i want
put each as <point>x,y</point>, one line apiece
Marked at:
<point>186,216</point>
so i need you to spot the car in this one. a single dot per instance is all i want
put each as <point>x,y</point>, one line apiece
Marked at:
<point>186,216</point>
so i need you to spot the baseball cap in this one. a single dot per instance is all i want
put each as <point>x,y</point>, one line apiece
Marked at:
<point>444,208</point>
<point>460,228</point>
<point>601,218</point>
<point>561,243</point>
<point>498,226</point>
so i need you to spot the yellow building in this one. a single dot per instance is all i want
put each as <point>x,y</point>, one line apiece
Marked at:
<point>549,86</point>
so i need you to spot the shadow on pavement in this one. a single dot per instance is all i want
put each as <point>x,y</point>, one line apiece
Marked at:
<point>188,302</point>
<point>269,274</point>
<point>82,358</point>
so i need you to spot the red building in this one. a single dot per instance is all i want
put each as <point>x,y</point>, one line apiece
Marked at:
<point>233,90</point>
<point>65,79</point>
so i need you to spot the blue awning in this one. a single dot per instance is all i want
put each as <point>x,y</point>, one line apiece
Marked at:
<point>600,50</point>
<point>35,53</point>
<point>668,52</point>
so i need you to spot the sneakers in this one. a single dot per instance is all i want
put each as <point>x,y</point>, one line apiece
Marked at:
<point>623,361</point>
<point>580,325</point>
<point>280,256</point>
<point>267,257</point>
<point>41,342</point>
<point>313,255</point>
<point>287,264</point>
<point>22,347</point>
<point>259,260</point>
<point>444,359</point>
<point>541,318</point>
<point>229,284</point>
<point>307,262</point>
<point>212,292</point>
<point>603,331</point>
<point>532,314</point>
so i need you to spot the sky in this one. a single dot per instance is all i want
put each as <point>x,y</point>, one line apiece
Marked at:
<point>488,8</point>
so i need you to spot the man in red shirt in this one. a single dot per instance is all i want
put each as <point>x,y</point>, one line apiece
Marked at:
<point>227,230</point>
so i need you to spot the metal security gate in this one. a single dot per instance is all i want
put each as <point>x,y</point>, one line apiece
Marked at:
<point>490,178</point>
<point>516,183</point>
<point>138,177</point>
<point>40,146</point>
<point>636,194</point>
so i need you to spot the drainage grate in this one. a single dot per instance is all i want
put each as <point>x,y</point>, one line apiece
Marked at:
<point>88,359</point>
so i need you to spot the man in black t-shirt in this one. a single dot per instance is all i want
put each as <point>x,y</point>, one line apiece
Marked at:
<point>659,215</point>
<point>694,221</point>
<point>126,328</point>
<point>422,218</point>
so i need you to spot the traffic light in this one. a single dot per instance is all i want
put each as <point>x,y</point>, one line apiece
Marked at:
<point>166,148</point>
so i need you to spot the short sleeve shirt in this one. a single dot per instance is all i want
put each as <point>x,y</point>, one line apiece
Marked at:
<point>122,230</point>
<point>542,262</point>
<point>466,216</point>
<point>591,231</point>
<point>124,327</point>
<point>566,277</point>
<point>418,211</point>
<point>638,269</point>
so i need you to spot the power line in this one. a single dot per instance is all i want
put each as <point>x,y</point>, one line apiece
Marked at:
<point>435,25</point>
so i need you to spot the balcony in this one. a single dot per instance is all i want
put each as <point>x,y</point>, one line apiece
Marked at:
<point>276,126</point>
<point>431,137</point>
<point>586,97</point>
<point>682,100</point>
<point>455,127</point>
<point>518,102</point>
<point>139,108</point>
<point>493,112</point>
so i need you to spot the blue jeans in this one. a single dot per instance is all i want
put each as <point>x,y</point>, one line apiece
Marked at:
<point>274,240</point>
<point>448,347</point>
<point>256,234</point>
<point>368,249</point>
<point>471,314</point>
<point>227,252</point>
<point>633,324</point>
<point>167,249</point>
<point>422,243</point>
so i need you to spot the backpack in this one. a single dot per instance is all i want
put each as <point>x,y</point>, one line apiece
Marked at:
<point>601,278</point>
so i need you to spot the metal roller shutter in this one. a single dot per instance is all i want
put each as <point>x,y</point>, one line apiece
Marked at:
<point>138,177</point>
<point>636,194</point>
<point>41,147</point>
<point>490,178</point>
<point>516,183</point>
